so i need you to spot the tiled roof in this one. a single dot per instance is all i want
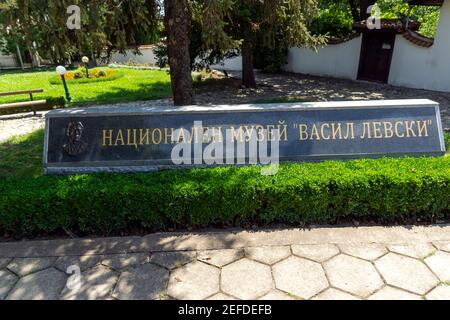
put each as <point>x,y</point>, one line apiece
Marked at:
<point>388,25</point>
<point>336,40</point>
<point>425,2</point>
<point>418,39</point>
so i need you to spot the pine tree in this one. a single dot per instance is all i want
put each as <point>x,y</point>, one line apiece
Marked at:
<point>177,21</point>
<point>230,24</point>
<point>106,25</point>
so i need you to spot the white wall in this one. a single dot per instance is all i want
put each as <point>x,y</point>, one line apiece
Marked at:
<point>147,56</point>
<point>338,60</point>
<point>424,68</point>
<point>232,64</point>
<point>7,61</point>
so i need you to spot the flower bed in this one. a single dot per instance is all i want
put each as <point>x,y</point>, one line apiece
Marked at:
<point>95,75</point>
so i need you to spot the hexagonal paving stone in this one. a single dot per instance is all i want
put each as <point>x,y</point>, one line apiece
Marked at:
<point>7,280</point>
<point>300,277</point>
<point>172,260</point>
<point>334,294</point>
<point>442,245</point>
<point>440,264</point>
<point>124,261</point>
<point>24,266</point>
<point>353,275</point>
<point>42,285</point>
<point>145,282</point>
<point>96,283</point>
<point>316,252</point>
<point>441,292</point>
<point>82,262</point>
<point>269,255</point>
<point>417,250</point>
<point>390,293</point>
<point>369,251</point>
<point>406,273</point>
<point>195,281</point>
<point>246,279</point>
<point>220,258</point>
<point>4,262</point>
<point>221,296</point>
<point>276,295</point>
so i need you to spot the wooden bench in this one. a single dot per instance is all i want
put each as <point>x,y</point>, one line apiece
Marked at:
<point>17,107</point>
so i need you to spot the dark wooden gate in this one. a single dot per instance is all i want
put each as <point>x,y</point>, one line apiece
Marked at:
<point>376,56</point>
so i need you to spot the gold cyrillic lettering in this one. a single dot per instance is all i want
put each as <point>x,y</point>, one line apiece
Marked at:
<point>107,137</point>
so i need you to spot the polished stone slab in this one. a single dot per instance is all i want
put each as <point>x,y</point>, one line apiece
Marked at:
<point>124,139</point>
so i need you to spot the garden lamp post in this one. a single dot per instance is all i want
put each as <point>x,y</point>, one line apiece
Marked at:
<point>62,71</point>
<point>85,60</point>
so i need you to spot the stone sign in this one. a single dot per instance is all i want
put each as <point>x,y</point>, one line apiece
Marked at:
<point>131,139</point>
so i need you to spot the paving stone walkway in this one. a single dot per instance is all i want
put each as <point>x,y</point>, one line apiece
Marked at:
<point>407,263</point>
<point>304,87</point>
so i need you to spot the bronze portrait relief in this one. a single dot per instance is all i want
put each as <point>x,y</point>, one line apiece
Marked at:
<point>75,145</point>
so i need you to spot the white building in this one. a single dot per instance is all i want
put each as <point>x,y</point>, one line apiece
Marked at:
<point>7,61</point>
<point>391,55</point>
<point>146,56</point>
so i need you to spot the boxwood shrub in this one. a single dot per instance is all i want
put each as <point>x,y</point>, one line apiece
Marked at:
<point>383,189</point>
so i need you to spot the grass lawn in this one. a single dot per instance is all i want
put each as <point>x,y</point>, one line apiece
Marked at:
<point>22,156</point>
<point>133,86</point>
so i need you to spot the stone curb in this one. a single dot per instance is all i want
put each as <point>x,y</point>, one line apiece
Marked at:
<point>224,239</point>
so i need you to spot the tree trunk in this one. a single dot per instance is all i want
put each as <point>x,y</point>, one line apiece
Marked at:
<point>177,21</point>
<point>19,56</point>
<point>248,74</point>
<point>364,5</point>
<point>354,10</point>
<point>35,61</point>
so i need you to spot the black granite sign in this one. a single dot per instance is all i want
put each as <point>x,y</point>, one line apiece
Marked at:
<point>141,139</point>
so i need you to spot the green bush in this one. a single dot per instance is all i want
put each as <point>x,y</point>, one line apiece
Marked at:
<point>428,16</point>
<point>101,73</point>
<point>335,19</point>
<point>270,59</point>
<point>58,102</point>
<point>78,74</point>
<point>383,189</point>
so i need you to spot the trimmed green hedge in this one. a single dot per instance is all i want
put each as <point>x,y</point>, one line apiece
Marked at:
<point>383,189</point>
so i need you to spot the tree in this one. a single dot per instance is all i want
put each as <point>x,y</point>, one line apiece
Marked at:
<point>200,56</point>
<point>177,17</point>
<point>230,24</point>
<point>359,8</point>
<point>17,26</point>
<point>338,16</point>
<point>106,25</point>
<point>336,19</point>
